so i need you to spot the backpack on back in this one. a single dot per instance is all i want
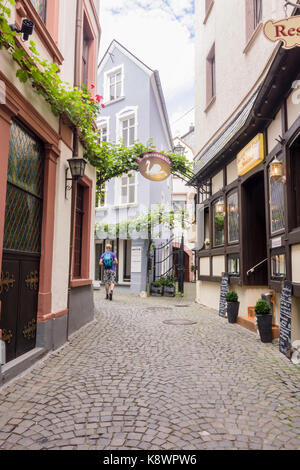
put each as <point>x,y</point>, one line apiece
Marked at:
<point>107,260</point>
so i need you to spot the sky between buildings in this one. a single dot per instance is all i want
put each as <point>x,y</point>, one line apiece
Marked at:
<point>161,34</point>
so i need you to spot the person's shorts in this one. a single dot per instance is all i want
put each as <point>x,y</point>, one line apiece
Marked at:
<point>109,276</point>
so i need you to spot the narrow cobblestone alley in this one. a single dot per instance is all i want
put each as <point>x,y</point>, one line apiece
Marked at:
<point>137,379</point>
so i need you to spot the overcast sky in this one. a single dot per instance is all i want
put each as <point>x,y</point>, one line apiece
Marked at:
<point>161,34</point>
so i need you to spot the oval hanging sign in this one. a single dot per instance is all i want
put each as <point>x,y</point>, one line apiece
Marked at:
<point>286,30</point>
<point>155,166</point>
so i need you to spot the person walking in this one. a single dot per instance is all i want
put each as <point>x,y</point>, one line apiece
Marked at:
<point>109,261</point>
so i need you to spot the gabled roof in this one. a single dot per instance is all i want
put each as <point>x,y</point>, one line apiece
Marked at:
<point>154,79</point>
<point>115,44</point>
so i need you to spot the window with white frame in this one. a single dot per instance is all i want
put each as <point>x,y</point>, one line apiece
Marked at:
<point>126,189</point>
<point>104,133</point>
<point>102,197</point>
<point>103,126</point>
<point>114,84</point>
<point>127,126</point>
<point>128,131</point>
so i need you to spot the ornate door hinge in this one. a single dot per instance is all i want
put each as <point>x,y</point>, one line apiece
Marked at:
<point>6,282</point>
<point>32,280</point>
<point>29,330</point>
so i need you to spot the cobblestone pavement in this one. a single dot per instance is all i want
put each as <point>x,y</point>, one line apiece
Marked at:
<point>130,381</point>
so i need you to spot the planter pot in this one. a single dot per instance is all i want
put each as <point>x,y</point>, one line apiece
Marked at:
<point>169,291</point>
<point>232,311</point>
<point>264,323</point>
<point>156,291</point>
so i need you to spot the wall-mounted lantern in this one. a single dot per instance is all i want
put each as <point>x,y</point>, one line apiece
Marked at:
<point>77,169</point>
<point>26,29</point>
<point>276,171</point>
<point>179,149</point>
<point>220,207</point>
<point>232,208</point>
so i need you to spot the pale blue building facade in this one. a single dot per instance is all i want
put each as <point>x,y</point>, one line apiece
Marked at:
<point>134,110</point>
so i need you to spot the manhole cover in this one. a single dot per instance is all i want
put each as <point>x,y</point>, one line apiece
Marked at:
<point>180,321</point>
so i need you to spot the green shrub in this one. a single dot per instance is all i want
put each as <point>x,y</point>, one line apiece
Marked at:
<point>262,307</point>
<point>167,281</point>
<point>156,284</point>
<point>231,296</point>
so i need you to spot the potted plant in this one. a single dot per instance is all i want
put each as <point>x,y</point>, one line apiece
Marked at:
<point>232,306</point>
<point>264,320</point>
<point>156,289</point>
<point>169,286</point>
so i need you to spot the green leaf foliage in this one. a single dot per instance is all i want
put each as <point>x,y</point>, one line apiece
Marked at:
<point>78,109</point>
<point>262,307</point>
<point>231,296</point>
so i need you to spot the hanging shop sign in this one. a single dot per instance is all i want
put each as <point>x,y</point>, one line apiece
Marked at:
<point>286,30</point>
<point>251,156</point>
<point>155,166</point>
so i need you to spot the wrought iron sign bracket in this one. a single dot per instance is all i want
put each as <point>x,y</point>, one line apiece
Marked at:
<point>68,187</point>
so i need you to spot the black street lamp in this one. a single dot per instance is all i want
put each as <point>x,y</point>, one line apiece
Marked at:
<point>179,149</point>
<point>77,168</point>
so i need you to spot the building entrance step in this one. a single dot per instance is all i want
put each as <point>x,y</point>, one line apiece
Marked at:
<point>249,323</point>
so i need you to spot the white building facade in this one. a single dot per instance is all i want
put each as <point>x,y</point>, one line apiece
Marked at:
<point>247,113</point>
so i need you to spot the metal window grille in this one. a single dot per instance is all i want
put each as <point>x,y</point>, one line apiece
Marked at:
<point>24,199</point>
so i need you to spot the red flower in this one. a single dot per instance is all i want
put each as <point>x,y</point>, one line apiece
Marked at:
<point>92,86</point>
<point>103,105</point>
<point>99,98</point>
<point>92,99</point>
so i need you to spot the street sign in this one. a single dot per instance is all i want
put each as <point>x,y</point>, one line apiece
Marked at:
<point>286,30</point>
<point>155,166</point>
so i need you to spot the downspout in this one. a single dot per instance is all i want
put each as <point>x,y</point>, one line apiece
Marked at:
<point>77,83</point>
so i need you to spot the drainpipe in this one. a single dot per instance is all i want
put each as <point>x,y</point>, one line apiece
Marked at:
<point>74,195</point>
<point>77,78</point>
<point>78,43</point>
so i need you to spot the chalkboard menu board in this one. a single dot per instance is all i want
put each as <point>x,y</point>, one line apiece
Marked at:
<point>223,291</point>
<point>285,318</point>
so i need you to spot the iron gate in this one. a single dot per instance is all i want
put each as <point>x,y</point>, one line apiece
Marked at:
<point>168,260</point>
